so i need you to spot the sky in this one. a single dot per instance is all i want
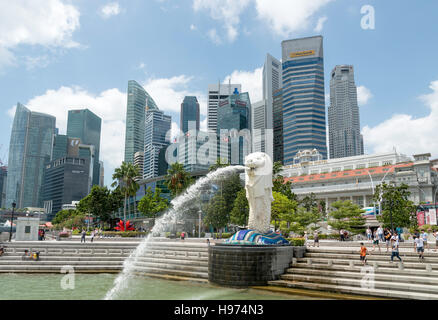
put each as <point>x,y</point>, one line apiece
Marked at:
<point>57,55</point>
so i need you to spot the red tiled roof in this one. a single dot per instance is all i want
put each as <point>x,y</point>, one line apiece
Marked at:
<point>347,173</point>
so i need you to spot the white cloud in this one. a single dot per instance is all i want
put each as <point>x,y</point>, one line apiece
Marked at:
<point>169,93</point>
<point>363,95</point>
<point>408,134</point>
<point>251,81</point>
<point>287,16</point>
<point>320,24</point>
<point>109,105</point>
<point>109,10</point>
<point>48,23</point>
<point>226,11</point>
<point>192,27</point>
<point>214,37</point>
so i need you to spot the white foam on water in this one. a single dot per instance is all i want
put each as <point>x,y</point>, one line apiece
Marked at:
<point>123,280</point>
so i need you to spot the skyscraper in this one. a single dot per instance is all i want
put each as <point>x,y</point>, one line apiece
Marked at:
<point>29,150</point>
<point>157,124</point>
<point>138,102</point>
<point>189,112</point>
<point>233,128</point>
<point>86,126</point>
<point>216,93</point>
<point>345,139</point>
<point>277,110</point>
<point>304,124</point>
<point>3,179</point>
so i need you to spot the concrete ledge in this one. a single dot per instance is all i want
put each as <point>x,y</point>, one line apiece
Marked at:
<point>237,266</point>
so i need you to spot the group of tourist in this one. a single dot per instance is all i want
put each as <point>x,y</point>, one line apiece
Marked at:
<point>94,233</point>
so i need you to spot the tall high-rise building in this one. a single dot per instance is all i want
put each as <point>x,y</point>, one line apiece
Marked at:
<point>216,93</point>
<point>277,110</point>
<point>157,124</point>
<point>102,174</point>
<point>304,123</point>
<point>345,139</point>
<point>233,128</point>
<point>139,101</point>
<point>189,112</point>
<point>86,126</point>
<point>138,161</point>
<point>29,150</point>
<point>3,180</point>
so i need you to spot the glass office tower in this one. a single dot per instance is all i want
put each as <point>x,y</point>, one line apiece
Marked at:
<point>189,112</point>
<point>86,126</point>
<point>138,102</point>
<point>345,139</point>
<point>304,123</point>
<point>30,149</point>
<point>233,128</point>
<point>157,124</point>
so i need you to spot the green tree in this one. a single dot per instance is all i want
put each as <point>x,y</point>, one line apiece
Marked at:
<point>216,214</point>
<point>125,179</point>
<point>177,179</point>
<point>279,183</point>
<point>152,203</point>
<point>309,202</point>
<point>396,206</point>
<point>230,187</point>
<point>240,212</point>
<point>219,164</point>
<point>100,203</point>
<point>64,215</point>
<point>348,216</point>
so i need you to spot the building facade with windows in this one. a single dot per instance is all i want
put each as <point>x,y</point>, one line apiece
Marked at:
<point>355,178</point>
<point>30,149</point>
<point>216,93</point>
<point>345,139</point>
<point>189,113</point>
<point>304,123</point>
<point>277,110</point>
<point>86,126</point>
<point>157,125</point>
<point>139,101</point>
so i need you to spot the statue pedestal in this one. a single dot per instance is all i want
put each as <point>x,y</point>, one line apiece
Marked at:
<point>247,265</point>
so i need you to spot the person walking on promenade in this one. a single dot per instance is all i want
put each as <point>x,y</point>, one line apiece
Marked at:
<point>316,239</point>
<point>387,234</point>
<point>424,236</point>
<point>376,241</point>
<point>84,233</point>
<point>93,233</point>
<point>306,238</point>
<point>363,254</point>
<point>395,245</point>
<point>419,246</point>
<point>435,234</point>
<point>369,233</point>
<point>341,233</point>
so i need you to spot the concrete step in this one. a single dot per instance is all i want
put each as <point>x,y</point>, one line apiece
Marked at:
<point>388,293</point>
<point>359,274</point>
<point>410,251</point>
<point>172,272</point>
<point>203,262</point>
<point>408,257</point>
<point>341,281</point>
<point>55,268</point>
<point>58,263</point>
<point>380,270</point>
<point>172,266</point>
<point>407,265</point>
<point>68,258</point>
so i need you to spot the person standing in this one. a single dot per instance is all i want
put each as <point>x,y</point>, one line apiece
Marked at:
<point>316,239</point>
<point>424,236</point>
<point>341,233</point>
<point>376,241</point>
<point>380,233</point>
<point>395,245</point>
<point>419,246</point>
<point>387,234</point>
<point>92,235</point>
<point>84,233</point>
<point>369,233</point>
<point>306,238</point>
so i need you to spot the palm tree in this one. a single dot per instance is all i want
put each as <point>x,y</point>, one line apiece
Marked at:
<point>124,178</point>
<point>177,179</point>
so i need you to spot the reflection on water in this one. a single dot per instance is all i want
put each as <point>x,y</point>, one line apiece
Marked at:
<point>95,286</point>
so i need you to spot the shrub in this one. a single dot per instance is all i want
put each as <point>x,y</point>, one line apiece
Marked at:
<point>63,234</point>
<point>296,242</point>
<point>125,234</point>
<point>75,232</point>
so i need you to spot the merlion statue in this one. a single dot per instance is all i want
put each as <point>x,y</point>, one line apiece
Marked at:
<point>258,185</point>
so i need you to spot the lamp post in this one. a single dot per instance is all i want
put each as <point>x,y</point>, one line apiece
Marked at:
<point>12,220</point>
